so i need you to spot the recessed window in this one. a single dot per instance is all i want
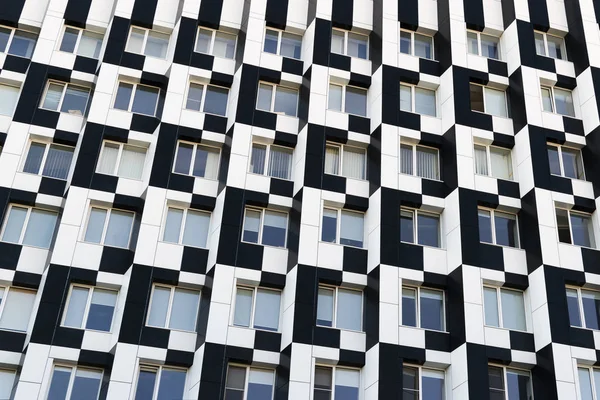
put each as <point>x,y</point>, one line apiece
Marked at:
<point>48,159</point>
<point>420,227</point>
<point>575,228</point>
<point>589,383</point>
<point>420,161</point>
<point>81,42</point>
<point>135,98</point>
<point>423,308</point>
<point>275,161</point>
<point>74,383</point>
<point>8,383</point>
<point>173,308</point>
<point>349,44</point>
<point>186,226</point>
<point>340,308</point>
<point>9,95</point>
<point>550,46</point>
<point>110,227</point>
<point>162,382</point>
<point>29,226</point>
<point>209,99</point>
<point>584,308</point>
<point>282,43</point>
<point>488,100</point>
<point>347,161</point>
<point>556,100</point>
<point>509,383</point>
<point>416,44</point>
<point>122,160</point>
<point>65,97</point>
<point>216,43</point>
<point>565,161</point>
<point>17,42</point>
<point>245,383</point>
<point>147,42</point>
<point>342,383</point>
<point>504,308</point>
<point>498,227</point>
<point>422,383</point>
<point>277,99</point>
<point>493,161</point>
<point>417,100</point>
<point>343,227</point>
<point>348,99</point>
<point>257,308</point>
<point>266,227</point>
<point>197,160</point>
<point>483,45</point>
<point>16,306</point>
<point>90,308</point>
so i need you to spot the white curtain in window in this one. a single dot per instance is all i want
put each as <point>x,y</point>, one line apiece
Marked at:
<point>8,99</point>
<point>136,40</point>
<point>332,160</point>
<point>108,159</point>
<point>58,162</point>
<point>501,163</point>
<point>132,162</point>
<point>546,100</point>
<point>280,163</point>
<point>406,159</point>
<point>405,98</point>
<point>495,102</point>
<point>481,160</point>
<point>427,163</point>
<point>354,163</point>
<point>212,164</point>
<point>257,159</point>
<point>53,95</point>
<point>17,310</point>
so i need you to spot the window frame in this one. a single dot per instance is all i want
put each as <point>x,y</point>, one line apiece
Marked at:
<point>15,375</point>
<point>485,110</point>
<point>64,85</point>
<point>20,89</point>
<point>499,290</point>
<point>78,41</point>
<point>420,369</point>
<point>493,227</point>
<point>145,41</point>
<point>7,289</point>
<point>26,224</point>
<point>74,369</point>
<point>279,36</point>
<point>590,374</point>
<point>170,307</point>
<point>211,45</point>
<point>91,290</point>
<point>183,225</point>
<point>341,150</point>
<point>563,47</point>
<point>412,43</point>
<point>338,226</point>
<point>261,226</point>
<point>193,159</point>
<point>268,159</point>
<point>553,100</point>
<point>106,223</point>
<point>158,369</point>
<point>336,290</point>
<point>248,368</point>
<point>343,104</point>
<point>345,51</point>
<point>417,290</point>
<point>505,377</point>
<point>47,146</point>
<point>334,369</point>
<point>413,99</point>
<point>203,99</point>
<point>488,157</point>
<point>479,50</point>
<point>415,212</point>
<point>255,290</point>
<point>414,147</point>
<point>273,96</point>
<point>561,162</point>
<point>119,159</point>
<point>13,31</point>
<point>132,97</point>
<point>569,212</point>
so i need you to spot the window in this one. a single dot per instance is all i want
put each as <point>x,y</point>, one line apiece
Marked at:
<point>9,95</point>
<point>257,308</point>
<point>216,43</point>
<point>417,100</point>
<point>589,383</point>
<point>423,308</point>
<point>74,383</point>
<point>550,46</point>
<point>343,227</point>
<point>16,306</point>
<point>208,98</point>
<point>277,99</point>
<point>565,161</point>
<point>498,227</point>
<point>343,383</point>
<point>556,100</point>
<point>122,160</point>
<point>282,43</point>
<point>488,100</point>
<point>420,227</point>
<point>339,308</point>
<point>348,99</point>
<point>186,226</point>
<point>350,44</point>
<point>48,159</point>
<point>66,97</point>
<point>8,383</point>
<point>347,161</point>
<point>197,160</point>
<point>483,45</point>
<point>110,227</point>
<point>279,163</point>
<point>147,42</point>
<point>29,226</point>
<point>422,383</point>
<point>158,383</point>
<point>266,227</point>
<point>81,42</point>
<point>416,44</point>
<point>19,43</point>
<point>575,228</point>
<point>420,161</point>
<point>245,383</point>
<point>584,308</point>
<point>504,308</point>
<point>136,98</point>
<point>90,308</point>
<point>509,384</point>
<point>173,308</point>
<point>493,161</point>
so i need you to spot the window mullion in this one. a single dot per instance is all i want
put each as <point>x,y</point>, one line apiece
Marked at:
<point>24,227</point>
<point>500,316</point>
<point>133,92</point>
<point>193,160</point>
<point>5,296</point>
<point>413,100</point>
<point>335,306</point>
<point>414,226</point>
<point>170,307</point>
<point>203,98</point>
<point>414,160</point>
<point>44,157</point>
<point>483,90</point>
<point>260,227</point>
<point>79,35</point>
<point>338,227</point>
<point>273,98</point>
<point>119,155</point>
<point>182,227</point>
<point>106,222</point>
<point>253,310</point>
<point>493,225</point>
<point>145,41</point>
<point>570,226</point>
<point>341,166</point>
<point>71,382</point>
<point>279,39</point>
<point>266,161</point>
<point>488,155</point>
<point>580,305</point>
<point>418,316</point>
<point>246,383</point>
<point>560,161</point>
<point>86,310</point>
<point>62,96</point>
<point>157,383</point>
<point>479,50</point>
<point>211,46</point>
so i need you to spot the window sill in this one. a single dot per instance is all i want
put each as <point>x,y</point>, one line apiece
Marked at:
<point>344,176</point>
<point>204,112</point>
<point>560,115</point>
<point>269,176</point>
<point>342,245</point>
<point>421,177</point>
<point>421,115</point>
<point>340,329</point>
<point>265,245</point>
<point>424,58</point>
<point>140,54</point>
<point>191,176</point>
<point>568,177</point>
<point>43,176</point>
<point>182,245</point>
<point>424,245</point>
<point>424,329</point>
<point>491,115</point>
<point>495,177</point>
<point>120,177</point>
<point>578,245</point>
<point>487,58</point>
<point>346,55</point>
<point>278,113</point>
<point>27,245</point>
<point>171,329</point>
<point>254,329</point>
<point>507,329</point>
<point>62,112</point>
<point>279,55</point>
<point>347,113</point>
<point>104,245</point>
<point>14,330</point>
<point>584,327</point>
<point>87,330</point>
<point>503,246</point>
<point>133,112</point>
<point>212,55</point>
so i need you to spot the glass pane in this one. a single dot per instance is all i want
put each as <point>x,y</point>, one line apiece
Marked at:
<point>423,46</point>
<point>9,95</point>
<point>596,374</point>
<point>22,44</point>
<point>265,93</point>
<point>75,101</point>
<point>274,229</point>
<point>562,223</point>
<point>123,96</point>
<point>555,47</point>
<point>159,306</point>
<point>432,309</point>
<point>547,100</point>
<point>553,160</point>
<point>429,229</point>
<point>427,163</point>
<point>337,42</point>
<point>173,225</point>
<point>485,226</point>
<point>490,305</point>
<point>425,102</point>
<point>540,49</point>
<point>184,310</point>
<point>69,40</point>
<point>280,163</point>
<point>58,162</point>
<point>243,307</point>
<point>53,95</point>
<point>216,100</point>
<point>90,44</point>
<point>406,159</point>
<point>513,310</point>
<point>194,97</point>
<point>323,377</point>
<point>354,162</point>
<point>136,40</point>
<point>409,307</point>
<point>95,225</point>
<point>518,385</point>
<point>405,43</point>
<point>476,93</point>
<point>356,101</point>
<point>407,228</point>
<point>145,385</point>
<point>405,98</point>
<point>325,307</point>
<point>572,163</point>
<point>585,386</point>
<point>251,226</point>
<point>17,310</point>
<point>347,383</point>
<point>203,41</point>
<point>573,307</point>
<point>506,229</point>
<point>206,162</point>
<point>183,159</point>
<point>119,229</point>
<point>132,162</point>
<point>286,101</point>
<point>332,160</point>
<point>433,385</point>
<point>335,98</point>
<point>4,36</point>
<point>76,308</point>
<point>257,159</point>
<point>101,310</point>
<point>33,162</point>
<point>7,381</point>
<point>108,158</point>
<point>352,229</point>
<point>40,228</point>
<point>196,228</point>
<point>260,384</point>
<point>563,99</point>
<point>358,45</point>
<point>489,46</point>
<point>410,378</point>
<point>472,43</point>
<point>329,226</point>
<point>583,231</point>
<point>591,307</point>
<point>481,163</point>
<point>157,44</point>
<point>496,378</point>
<point>501,163</point>
<point>145,100</point>
<point>224,45</point>
<point>59,385</point>
<point>86,384</point>
<point>349,310</point>
<point>495,102</point>
<point>236,378</point>
<point>291,45</point>
<point>14,225</point>
<point>266,315</point>
<point>271,41</point>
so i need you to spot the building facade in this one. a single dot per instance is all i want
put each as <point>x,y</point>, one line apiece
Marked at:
<point>299,199</point>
